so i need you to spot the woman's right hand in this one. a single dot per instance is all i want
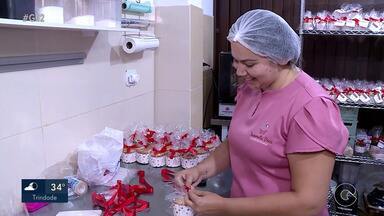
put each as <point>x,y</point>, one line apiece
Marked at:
<point>189,177</point>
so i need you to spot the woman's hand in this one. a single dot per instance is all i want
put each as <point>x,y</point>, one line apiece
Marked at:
<point>204,202</point>
<point>189,177</point>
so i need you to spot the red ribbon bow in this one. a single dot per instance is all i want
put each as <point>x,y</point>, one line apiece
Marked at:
<point>184,136</point>
<point>125,199</point>
<point>133,136</point>
<point>149,135</point>
<point>159,151</point>
<point>169,176</point>
<point>308,19</point>
<point>129,149</point>
<point>172,152</point>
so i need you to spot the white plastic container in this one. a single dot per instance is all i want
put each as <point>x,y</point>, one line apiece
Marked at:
<point>189,162</point>
<point>108,13</point>
<point>157,161</point>
<point>173,162</point>
<point>80,12</point>
<point>50,11</point>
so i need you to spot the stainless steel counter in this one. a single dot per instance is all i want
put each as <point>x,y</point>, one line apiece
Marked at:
<point>219,184</point>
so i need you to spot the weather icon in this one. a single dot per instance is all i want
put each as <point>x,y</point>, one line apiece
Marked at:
<point>31,187</point>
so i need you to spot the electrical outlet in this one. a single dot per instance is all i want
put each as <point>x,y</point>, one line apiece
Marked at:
<point>131,78</point>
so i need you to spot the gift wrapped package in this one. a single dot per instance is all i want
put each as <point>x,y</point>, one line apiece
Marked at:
<point>129,154</point>
<point>179,209</point>
<point>189,160</point>
<point>142,155</point>
<point>157,158</point>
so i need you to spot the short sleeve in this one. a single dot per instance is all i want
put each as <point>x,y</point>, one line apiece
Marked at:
<point>316,127</point>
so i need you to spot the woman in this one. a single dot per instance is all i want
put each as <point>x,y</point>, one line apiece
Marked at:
<point>284,133</point>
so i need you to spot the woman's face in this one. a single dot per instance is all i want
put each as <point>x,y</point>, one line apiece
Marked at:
<point>257,71</point>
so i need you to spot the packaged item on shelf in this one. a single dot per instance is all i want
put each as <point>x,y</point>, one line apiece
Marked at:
<point>360,148</point>
<point>362,142</point>
<point>348,151</point>
<point>376,149</point>
<point>340,21</point>
<point>375,22</point>
<point>351,91</point>
<point>364,22</point>
<point>352,22</point>
<point>342,92</point>
<point>347,16</point>
<point>377,95</point>
<point>320,21</point>
<point>308,21</point>
<point>363,88</point>
<point>331,22</point>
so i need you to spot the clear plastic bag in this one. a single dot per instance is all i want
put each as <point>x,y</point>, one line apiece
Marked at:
<point>98,157</point>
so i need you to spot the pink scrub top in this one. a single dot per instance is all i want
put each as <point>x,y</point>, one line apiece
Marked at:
<point>266,126</point>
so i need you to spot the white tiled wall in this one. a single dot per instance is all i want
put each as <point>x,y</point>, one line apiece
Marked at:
<point>19,103</point>
<point>46,113</point>
<point>179,68</point>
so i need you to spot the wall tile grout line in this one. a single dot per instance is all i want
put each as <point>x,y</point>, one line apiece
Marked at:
<point>99,108</point>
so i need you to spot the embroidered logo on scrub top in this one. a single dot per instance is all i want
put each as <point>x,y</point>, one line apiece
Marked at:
<point>261,136</point>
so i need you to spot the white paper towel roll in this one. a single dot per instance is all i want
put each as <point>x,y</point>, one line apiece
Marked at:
<point>134,45</point>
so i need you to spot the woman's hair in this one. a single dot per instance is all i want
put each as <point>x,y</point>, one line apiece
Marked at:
<point>267,34</point>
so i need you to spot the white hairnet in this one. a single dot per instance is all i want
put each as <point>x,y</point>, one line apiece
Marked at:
<point>267,34</point>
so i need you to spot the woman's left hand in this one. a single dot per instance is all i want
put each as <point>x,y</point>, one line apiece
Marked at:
<point>204,202</point>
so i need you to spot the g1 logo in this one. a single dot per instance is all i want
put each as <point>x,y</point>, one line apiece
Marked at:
<point>345,195</point>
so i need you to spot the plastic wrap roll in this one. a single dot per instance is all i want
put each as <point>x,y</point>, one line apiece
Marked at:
<point>135,45</point>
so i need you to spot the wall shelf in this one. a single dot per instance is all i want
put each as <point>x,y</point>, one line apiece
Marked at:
<point>12,23</point>
<point>361,106</point>
<point>352,33</point>
<point>360,160</point>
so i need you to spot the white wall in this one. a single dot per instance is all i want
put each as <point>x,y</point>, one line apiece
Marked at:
<point>207,6</point>
<point>46,113</point>
<point>179,66</point>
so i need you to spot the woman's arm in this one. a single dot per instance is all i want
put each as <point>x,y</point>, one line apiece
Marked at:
<point>217,162</point>
<point>310,173</point>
